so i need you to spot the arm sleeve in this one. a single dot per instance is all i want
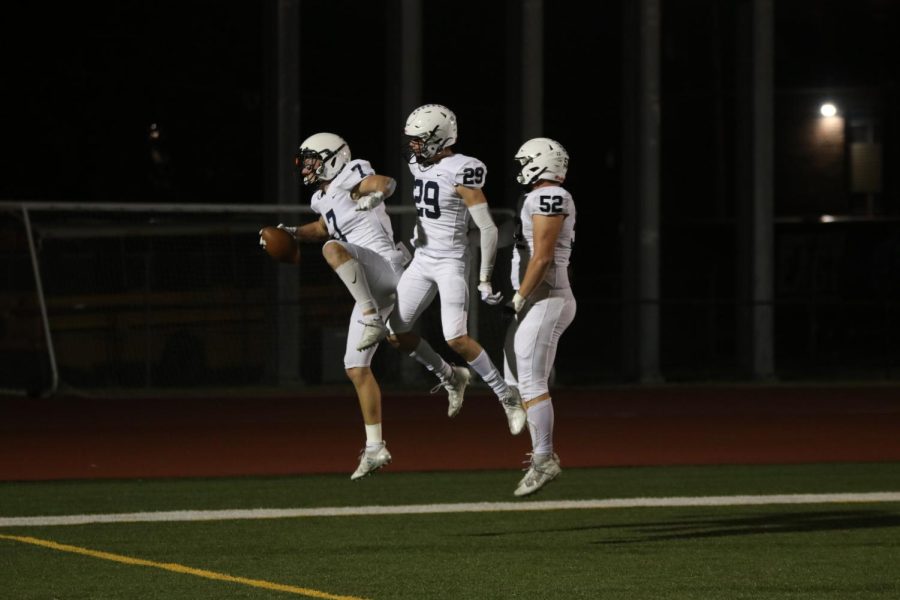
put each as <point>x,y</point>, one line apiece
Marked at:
<point>482,217</point>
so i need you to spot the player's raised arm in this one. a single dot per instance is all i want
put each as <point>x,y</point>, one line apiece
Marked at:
<point>373,190</point>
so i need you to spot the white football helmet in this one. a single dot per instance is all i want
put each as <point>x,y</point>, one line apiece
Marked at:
<point>542,158</point>
<point>434,125</point>
<point>322,155</point>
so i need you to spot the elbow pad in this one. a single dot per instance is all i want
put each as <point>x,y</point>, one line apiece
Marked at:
<point>482,217</point>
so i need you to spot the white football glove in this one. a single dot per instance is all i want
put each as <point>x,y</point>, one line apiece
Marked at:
<point>370,201</point>
<point>518,303</point>
<point>289,229</point>
<point>262,242</point>
<point>488,295</point>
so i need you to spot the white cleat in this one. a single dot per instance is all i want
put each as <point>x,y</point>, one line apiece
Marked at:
<point>373,332</point>
<point>544,469</point>
<point>456,387</point>
<point>369,462</point>
<point>515,410</point>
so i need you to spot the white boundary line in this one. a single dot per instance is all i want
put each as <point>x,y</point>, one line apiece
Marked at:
<point>465,507</point>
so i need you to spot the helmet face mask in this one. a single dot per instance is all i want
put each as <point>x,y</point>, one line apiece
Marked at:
<point>429,129</point>
<point>310,165</point>
<point>321,157</point>
<point>542,159</point>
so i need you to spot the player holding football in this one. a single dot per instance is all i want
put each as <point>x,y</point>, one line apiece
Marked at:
<point>543,302</point>
<point>448,193</point>
<point>360,248</point>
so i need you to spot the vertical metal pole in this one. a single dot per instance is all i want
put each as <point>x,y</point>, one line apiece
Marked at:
<point>282,132</point>
<point>649,326</point>
<point>407,97</point>
<point>641,291</point>
<point>404,95</point>
<point>525,101</point>
<point>148,273</point>
<point>42,303</point>
<point>756,189</point>
<point>532,67</point>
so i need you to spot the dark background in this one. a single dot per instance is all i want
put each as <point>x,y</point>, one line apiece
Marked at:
<point>85,84</point>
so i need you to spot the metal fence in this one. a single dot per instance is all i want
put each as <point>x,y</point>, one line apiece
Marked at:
<point>146,298</point>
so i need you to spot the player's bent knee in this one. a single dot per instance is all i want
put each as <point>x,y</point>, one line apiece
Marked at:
<point>358,375</point>
<point>404,341</point>
<point>459,344</point>
<point>335,253</point>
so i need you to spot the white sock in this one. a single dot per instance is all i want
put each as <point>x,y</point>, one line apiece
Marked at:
<point>489,373</point>
<point>355,279</point>
<point>540,425</point>
<point>426,355</point>
<point>373,437</point>
<point>509,373</point>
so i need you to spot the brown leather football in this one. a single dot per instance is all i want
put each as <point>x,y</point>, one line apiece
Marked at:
<point>281,245</point>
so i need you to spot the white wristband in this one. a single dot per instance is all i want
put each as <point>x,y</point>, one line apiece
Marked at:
<point>518,302</point>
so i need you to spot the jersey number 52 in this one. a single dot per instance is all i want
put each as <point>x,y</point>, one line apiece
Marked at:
<point>551,204</point>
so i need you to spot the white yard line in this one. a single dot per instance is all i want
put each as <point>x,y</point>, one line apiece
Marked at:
<point>463,507</point>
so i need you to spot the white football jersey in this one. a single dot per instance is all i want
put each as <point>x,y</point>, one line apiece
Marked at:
<point>547,201</point>
<point>368,228</point>
<point>443,221</point>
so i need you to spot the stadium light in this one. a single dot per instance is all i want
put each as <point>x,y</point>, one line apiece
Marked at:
<point>828,109</point>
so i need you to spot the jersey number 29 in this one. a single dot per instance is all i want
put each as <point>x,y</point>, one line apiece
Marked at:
<point>426,196</point>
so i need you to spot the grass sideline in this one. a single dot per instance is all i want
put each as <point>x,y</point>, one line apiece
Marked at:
<point>772,552</point>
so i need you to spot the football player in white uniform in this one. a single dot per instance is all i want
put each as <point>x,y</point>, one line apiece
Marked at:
<point>360,248</point>
<point>448,193</point>
<point>543,302</point>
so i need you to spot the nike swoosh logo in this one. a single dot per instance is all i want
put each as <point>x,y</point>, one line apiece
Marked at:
<point>354,279</point>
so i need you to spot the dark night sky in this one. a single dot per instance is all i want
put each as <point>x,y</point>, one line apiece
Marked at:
<point>85,82</point>
<point>97,75</point>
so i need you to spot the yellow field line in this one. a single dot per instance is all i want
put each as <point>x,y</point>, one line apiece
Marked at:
<point>176,568</point>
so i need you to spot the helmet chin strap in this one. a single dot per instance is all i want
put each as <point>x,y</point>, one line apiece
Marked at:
<point>326,155</point>
<point>419,158</point>
<point>333,153</point>
<point>427,140</point>
<point>537,176</point>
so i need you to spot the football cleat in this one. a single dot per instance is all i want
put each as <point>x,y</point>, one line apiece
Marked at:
<point>373,332</point>
<point>456,387</point>
<point>544,469</point>
<point>515,410</point>
<point>371,461</point>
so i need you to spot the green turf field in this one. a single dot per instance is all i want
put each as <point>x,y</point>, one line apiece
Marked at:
<point>815,550</point>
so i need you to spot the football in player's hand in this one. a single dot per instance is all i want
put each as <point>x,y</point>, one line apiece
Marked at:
<point>280,245</point>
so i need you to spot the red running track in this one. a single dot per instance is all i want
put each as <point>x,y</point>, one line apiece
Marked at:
<point>74,438</point>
